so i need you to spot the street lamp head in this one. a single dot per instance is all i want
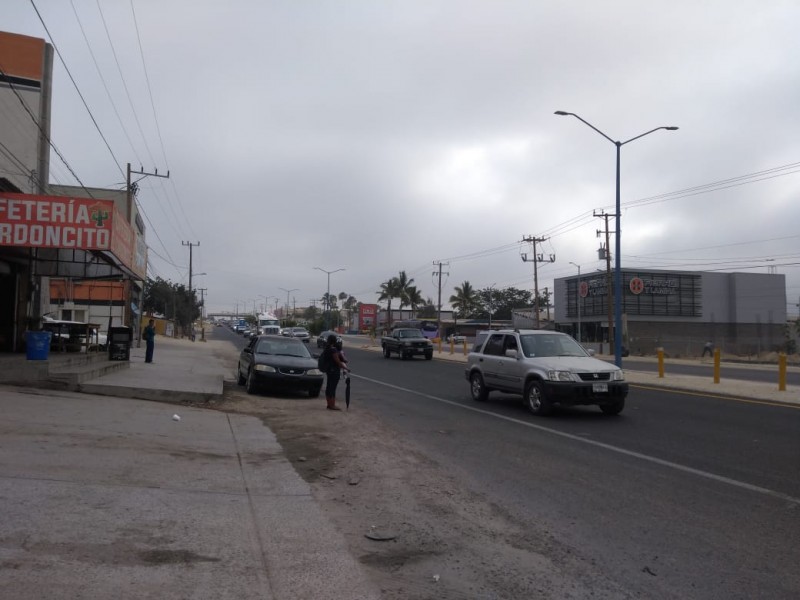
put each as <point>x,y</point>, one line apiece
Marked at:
<point>562,113</point>
<point>672,128</point>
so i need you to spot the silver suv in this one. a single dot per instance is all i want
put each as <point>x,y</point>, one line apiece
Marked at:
<point>545,368</point>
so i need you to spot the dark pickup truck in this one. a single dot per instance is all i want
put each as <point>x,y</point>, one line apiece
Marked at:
<point>407,342</point>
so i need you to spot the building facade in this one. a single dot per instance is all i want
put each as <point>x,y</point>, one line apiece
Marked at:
<point>680,311</point>
<point>71,235</point>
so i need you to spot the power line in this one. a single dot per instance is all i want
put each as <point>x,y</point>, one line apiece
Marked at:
<point>77,89</point>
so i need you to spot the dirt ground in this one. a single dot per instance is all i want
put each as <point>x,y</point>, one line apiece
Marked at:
<point>446,541</point>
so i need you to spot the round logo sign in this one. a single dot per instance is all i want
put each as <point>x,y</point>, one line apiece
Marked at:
<point>637,285</point>
<point>583,290</point>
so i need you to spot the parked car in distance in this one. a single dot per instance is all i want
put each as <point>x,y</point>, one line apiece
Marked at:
<point>545,368</point>
<point>322,338</point>
<point>277,362</point>
<point>456,338</point>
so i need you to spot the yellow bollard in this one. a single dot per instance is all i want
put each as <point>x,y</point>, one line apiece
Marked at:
<point>661,363</point>
<point>452,346</point>
<point>716,365</point>
<point>782,372</point>
<point>465,347</point>
<point>439,344</point>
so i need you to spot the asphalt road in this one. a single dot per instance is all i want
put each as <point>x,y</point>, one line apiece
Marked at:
<point>681,496</point>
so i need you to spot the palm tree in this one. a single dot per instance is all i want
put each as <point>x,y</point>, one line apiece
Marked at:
<point>463,300</point>
<point>414,298</point>
<point>403,285</point>
<point>389,290</point>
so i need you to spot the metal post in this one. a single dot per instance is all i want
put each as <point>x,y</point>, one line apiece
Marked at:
<point>618,257</point>
<point>578,299</point>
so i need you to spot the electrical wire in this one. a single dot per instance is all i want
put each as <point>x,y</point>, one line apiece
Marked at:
<point>77,89</point>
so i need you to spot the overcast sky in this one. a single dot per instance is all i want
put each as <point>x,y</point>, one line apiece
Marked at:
<point>380,136</point>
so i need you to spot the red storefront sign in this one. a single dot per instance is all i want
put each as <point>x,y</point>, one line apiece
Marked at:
<point>366,314</point>
<point>63,222</point>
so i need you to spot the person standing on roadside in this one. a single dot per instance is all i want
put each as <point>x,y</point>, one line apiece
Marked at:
<point>709,347</point>
<point>150,340</point>
<point>336,363</point>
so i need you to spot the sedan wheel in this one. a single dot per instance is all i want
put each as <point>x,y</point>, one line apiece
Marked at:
<point>535,399</point>
<point>477,389</point>
<point>240,379</point>
<point>250,386</point>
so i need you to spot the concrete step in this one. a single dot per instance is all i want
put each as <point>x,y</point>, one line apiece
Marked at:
<point>71,376</point>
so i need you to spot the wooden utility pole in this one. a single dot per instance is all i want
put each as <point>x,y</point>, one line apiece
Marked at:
<point>130,193</point>
<point>191,292</point>
<point>439,301</point>
<point>609,301</point>
<point>536,259</point>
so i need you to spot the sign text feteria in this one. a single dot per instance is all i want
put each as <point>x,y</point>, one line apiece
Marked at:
<point>55,222</point>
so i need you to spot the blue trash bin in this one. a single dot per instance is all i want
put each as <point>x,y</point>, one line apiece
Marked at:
<point>37,344</point>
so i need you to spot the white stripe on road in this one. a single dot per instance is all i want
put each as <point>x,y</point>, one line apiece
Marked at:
<point>617,449</point>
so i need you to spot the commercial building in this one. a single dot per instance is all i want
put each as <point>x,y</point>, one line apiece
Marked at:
<point>70,237</point>
<point>680,311</point>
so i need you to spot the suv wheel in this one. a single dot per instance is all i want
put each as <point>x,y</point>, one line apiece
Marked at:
<point>535,399</point>
<point>477,389</point>
<point>613,408</point>
<point>386,353</point>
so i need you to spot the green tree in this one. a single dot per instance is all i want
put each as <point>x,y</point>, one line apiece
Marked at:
<point>173,301</point>
<point>404,288</point>
<point>463,302</point>
<point>414,297</point>
<point>428,310</point>
<point>390,290</point>
<point>509,299</point>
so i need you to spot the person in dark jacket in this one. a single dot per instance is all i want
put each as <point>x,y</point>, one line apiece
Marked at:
<point>336,364</point>
<point>150,340</point>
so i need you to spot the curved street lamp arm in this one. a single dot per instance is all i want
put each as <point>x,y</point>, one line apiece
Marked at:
<point>564,113</point>
<point>670,128</point>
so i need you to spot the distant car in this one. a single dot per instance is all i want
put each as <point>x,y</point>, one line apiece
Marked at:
<point>322,338</point>
<point>456,338</point>
<point>273,362</point>
<point>298,332</point>
<point>545,368</point>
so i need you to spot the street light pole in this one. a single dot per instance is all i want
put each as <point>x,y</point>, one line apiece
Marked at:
<point>287,300</point>
<point>617,235</point>
<point>578,299</point>
<point>328,296</point>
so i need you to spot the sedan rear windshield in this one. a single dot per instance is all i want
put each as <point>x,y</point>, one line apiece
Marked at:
<point>282,348</point>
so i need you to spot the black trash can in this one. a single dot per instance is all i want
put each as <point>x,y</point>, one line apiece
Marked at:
<point>119,343</point>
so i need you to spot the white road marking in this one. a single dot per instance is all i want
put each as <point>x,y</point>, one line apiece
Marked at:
<point>583,440</point>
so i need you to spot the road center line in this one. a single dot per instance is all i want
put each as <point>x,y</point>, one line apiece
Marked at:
<point>617,449</point>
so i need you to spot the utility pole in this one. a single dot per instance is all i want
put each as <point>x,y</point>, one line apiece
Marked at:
<point>130,192</point>
<point>536,259</point>
<point>191,293</point>
<point>439,301</point>
<point>202,307</point>
<point>286,317</point>
<point>609,301</point>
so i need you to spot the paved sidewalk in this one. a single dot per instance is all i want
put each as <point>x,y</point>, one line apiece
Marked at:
<point>181,371</point>
<point>113,497</point>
